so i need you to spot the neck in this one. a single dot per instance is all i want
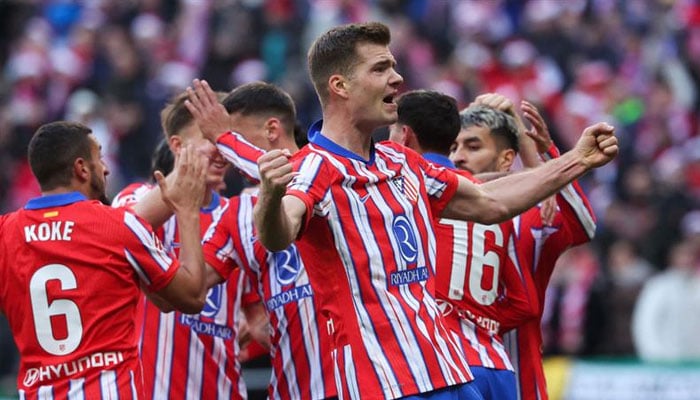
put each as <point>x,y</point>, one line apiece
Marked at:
<point>348,134</point>
<point>207,197</point>
<point>66,189</point>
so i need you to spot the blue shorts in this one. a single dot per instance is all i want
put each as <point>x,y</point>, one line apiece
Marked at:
<point>465,391</point>
<point>495,384</point>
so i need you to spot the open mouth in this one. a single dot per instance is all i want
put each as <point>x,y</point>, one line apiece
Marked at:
<point>389,99</point>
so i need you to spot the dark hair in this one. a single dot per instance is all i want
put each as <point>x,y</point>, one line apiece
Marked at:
<point>162,159</point>
<point>334,52</point>
<point>433,116</point>
<point>53,149</point>
<point>501,125</point>
<point>262,99</point>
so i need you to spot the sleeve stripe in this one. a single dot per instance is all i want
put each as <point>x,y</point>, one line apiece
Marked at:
<point>239,152</point>
<point>146,238</point>
<point>137,267</point>
<point>582,212</point>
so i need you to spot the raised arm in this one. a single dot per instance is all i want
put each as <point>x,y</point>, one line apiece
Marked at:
<point>186,291</point>
<point>503,198</point>
<point>278,217</point>
<point>215,123</point>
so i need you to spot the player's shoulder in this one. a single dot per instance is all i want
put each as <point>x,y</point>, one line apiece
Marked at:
<point>131,194</point>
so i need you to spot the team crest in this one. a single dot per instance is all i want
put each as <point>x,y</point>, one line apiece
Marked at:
<point>407,187</point>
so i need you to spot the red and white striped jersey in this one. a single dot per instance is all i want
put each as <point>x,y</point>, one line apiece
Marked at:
<point>69,286</point>
<point>538,247</point>
<point>241,154</point>
<point>480,286</point>
<point>300,351</point>
<point>378,296</point>
<point>192,356</point>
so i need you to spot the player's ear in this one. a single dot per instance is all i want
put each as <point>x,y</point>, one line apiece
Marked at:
<point>505,160</point>
<point>338,85</point>
<point>81,169</point>
<point>272,129</point>
<point>175,143</point>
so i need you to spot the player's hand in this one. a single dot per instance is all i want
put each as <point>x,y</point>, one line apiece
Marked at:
<point>184,189</point>
<point>538,132</point>
<point>275,172</point>
<point>496,101</point>
<point>501,103</point>
<point>209,114</point>
<point>548,210</point>
<point>597,145</point>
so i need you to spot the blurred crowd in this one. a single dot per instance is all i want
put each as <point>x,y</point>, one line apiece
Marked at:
<point>112,64</point>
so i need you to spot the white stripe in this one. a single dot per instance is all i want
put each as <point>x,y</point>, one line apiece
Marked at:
<point>76,391</point>
<point>380,362</point>
<point>215,220</point>
<point>146,238</point>
<point>350,376</point>
<point>132,383</point>
<point>135,265</point>
<point>510,341</point>
<point>108,385</point>
<point>501,351</point>
<point>572,197</point>
<point>164,356</point>
<point>469,332</point>
<point>195,365</point>
<point>446,363</point>
<point>249,167</point>
<point>45,393</point>
<point>22,396</point>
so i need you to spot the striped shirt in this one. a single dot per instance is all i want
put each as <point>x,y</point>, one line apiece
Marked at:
<point>480,286</point>
<point>295,320</point>
<point>538,247</point>
<point>192,356</point>
<point>370,225</point>
<point>300,354</point>
<point>69,286</point>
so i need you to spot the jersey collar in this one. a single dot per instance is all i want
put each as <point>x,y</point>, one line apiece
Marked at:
<point>439,159</point>
<point>316,138</point>
<point>54,200</point>
<point>215,199</point>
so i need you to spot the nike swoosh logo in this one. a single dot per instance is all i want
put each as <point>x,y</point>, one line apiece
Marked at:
<point>364,198</point>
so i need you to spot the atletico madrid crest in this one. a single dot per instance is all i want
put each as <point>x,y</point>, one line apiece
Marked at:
<point>407,187</point>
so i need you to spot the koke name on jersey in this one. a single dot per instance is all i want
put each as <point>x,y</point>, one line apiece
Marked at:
<point>49,231</point>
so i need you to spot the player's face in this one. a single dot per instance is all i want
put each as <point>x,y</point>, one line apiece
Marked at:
<point>252,128</point>
<point>475,150</point>
<point>98,172</point>
<point>217,164</point>
<point>373,86</point>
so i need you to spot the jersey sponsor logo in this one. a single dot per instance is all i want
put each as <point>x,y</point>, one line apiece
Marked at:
<point>490,325</point>
<point>287,265</point>
<point>288,296</point>
<point>212,305</point>
<point>446,308</point>
<point>404,234</point>
<point>68,368</point>
<point>409,276</point>
<point>206,328</point>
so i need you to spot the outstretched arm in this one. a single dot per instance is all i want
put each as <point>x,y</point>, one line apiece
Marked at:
<point>278,217</point>
<point>503,198</point>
